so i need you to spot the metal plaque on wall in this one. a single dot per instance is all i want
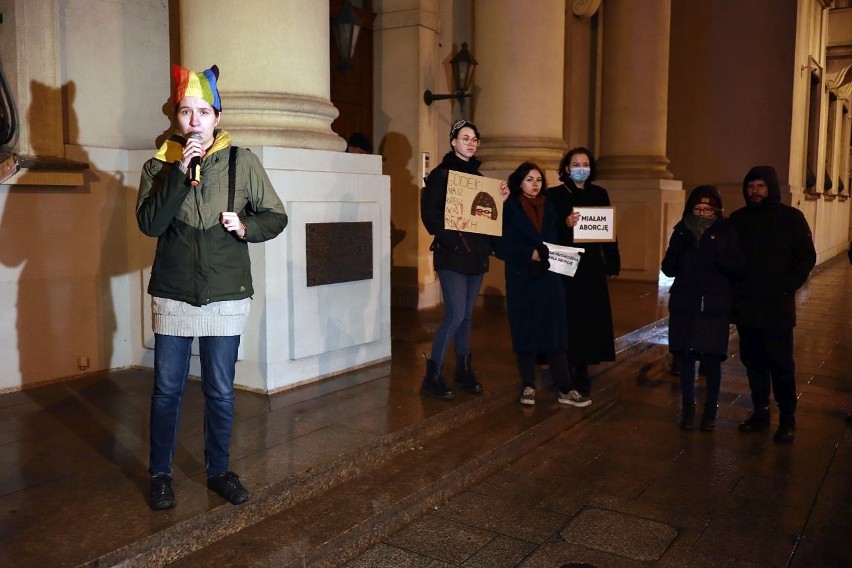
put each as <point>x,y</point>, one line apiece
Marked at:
<point>339,252</point>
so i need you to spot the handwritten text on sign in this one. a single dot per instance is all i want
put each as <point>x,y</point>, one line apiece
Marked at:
<point>563,260</point>
<point>596,225</point>
<point>474,204</point>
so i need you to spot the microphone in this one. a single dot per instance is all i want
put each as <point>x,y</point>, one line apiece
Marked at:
<point>194,170</point>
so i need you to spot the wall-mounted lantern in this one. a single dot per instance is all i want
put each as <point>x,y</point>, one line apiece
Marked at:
<point>345,28</point>
<point>463,66</point>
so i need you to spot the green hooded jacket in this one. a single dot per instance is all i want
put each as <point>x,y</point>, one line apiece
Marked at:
<point>197,260</point>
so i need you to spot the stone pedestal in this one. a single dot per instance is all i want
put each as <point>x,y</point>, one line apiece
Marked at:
<point>646,212</point>
<point>298,333</point>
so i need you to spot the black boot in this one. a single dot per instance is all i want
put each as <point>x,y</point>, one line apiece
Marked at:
<point>708,419</point>
<point>786,429</point>
<point>757,422</point>
<point>687,417</point>
<point>434,384</point>
<point>465,378</point>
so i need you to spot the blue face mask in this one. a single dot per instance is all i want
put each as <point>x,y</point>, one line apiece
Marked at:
<point>579,175</point>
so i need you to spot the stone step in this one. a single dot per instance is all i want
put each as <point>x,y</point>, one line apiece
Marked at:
<point>310,500</point>
<point>333,527</point>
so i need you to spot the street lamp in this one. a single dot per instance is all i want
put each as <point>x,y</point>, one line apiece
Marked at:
<point>345,28</point>
<point>463,66</point>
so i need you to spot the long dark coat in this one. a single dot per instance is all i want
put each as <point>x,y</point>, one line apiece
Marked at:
<point>534,297</point>
<point>590,334</point>
<point>780,254</point>
<point>700,297</point>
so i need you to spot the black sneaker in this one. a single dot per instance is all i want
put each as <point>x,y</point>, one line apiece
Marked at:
<point>227,485</point>
<point>162,496</point>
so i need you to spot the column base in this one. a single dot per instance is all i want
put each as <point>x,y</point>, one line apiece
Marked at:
<point>646,212</point>
<point>504,153</point>
<point>634,167</point>
<point>280,119</point>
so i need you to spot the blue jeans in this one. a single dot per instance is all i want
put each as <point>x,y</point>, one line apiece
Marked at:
<point>460,292</point>
<point>171,372</point>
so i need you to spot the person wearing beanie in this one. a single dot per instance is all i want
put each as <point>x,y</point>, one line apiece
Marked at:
<point>780,255</point>
<point>704,257</point>
<point>461,261</point>
<point>204,200</point>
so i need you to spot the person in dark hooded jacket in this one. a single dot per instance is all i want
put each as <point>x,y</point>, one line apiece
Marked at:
<point>461,260</point>
<point>704,256</point>
<point>780,255</point>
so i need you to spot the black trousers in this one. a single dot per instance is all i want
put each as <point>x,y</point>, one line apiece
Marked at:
<point>558,369</point>
<point>768,358</point>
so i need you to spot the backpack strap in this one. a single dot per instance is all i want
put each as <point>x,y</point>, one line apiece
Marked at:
<point>232,177</point>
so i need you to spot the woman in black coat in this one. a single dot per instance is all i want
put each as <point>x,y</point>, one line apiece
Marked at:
<point>534,295</point>
<point>590,334</point>
<point>704,256</point>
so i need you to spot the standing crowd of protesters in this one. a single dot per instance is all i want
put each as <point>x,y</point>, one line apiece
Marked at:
<point>743,270</point>
<point>204,200</point>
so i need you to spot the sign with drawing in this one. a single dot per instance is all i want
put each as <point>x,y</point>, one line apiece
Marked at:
<point>474,204</point>
<point>596,225</point>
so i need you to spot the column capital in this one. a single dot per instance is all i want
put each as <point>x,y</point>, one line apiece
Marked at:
<point>585,8</point>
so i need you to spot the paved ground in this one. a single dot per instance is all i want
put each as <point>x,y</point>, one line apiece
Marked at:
<point>628,488</point>
<point>624,487</point>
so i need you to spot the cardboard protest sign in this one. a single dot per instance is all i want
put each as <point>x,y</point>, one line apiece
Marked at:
<point>563,260</point>
<point>596,225</point>
<point>474,204</point>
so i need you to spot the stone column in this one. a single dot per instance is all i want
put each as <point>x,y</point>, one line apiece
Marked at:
<point>635,89</point>
<point>519,82</point>
<point>274,62</point>
<point>632,161</point>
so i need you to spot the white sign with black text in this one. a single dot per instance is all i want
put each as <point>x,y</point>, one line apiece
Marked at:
<point>563,260</point>
<point>596,225</point>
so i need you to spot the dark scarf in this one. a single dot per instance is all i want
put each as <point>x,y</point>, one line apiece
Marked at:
<point>534,208</point>
<point>697,224</point>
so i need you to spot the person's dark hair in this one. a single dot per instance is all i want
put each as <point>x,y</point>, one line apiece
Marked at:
<point>566,160</point>
<point>360,140</point>
<point>458,125</point>
<point>516,177</point>
<point>484,199</point>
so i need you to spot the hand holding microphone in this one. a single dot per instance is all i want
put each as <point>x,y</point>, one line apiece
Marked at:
<point>193,171</point>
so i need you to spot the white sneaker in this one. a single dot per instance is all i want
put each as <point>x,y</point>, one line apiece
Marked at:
<point>574,398</point>
<point>528,396</point>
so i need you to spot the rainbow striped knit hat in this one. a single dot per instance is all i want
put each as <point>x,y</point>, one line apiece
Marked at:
<point>201,85</point>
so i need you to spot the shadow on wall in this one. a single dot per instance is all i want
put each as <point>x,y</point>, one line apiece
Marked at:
<point>396,154</point>
<point>67,244</point>
<point>66,247</point>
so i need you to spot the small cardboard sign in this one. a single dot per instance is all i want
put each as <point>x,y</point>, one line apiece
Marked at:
<point>563,260</point>
<point>596,225</point>
<point>474,204</point>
